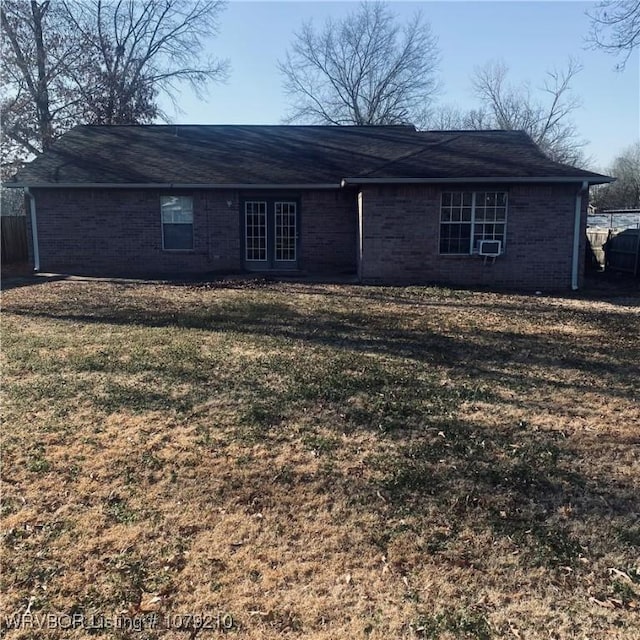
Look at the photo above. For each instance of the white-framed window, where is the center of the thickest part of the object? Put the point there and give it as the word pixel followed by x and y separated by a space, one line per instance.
pixel 255 229
pixel 467 217
pixel 177 223
pixel 285 232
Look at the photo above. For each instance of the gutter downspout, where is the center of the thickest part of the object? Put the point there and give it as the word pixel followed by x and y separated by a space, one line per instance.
pixel 34 229
pixel 360 247
pixel 576 236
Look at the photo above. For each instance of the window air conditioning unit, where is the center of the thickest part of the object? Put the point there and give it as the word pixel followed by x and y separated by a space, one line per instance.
pixel 490 248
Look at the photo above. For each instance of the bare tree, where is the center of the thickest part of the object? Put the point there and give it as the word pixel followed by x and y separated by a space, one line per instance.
pixel 449 117
pixel 142 48
pixel 615 27
pixel 38 49
pixel 96 61
pixel 364 69
pixel 624 193
pixel 545 116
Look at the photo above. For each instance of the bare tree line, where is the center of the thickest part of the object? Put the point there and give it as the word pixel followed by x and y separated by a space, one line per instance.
pixel 369 69
pixel 545 112
pixel 624 193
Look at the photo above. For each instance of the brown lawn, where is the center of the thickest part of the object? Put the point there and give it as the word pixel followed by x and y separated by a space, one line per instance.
pixel 320 461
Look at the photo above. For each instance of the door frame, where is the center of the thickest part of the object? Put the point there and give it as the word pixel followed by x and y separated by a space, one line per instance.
pixel 270 264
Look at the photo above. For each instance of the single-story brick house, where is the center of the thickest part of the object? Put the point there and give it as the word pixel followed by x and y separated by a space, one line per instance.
pixel 390 204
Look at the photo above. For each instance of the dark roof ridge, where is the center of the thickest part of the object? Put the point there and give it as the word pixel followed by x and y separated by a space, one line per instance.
pixel 518 131
pixel 249 125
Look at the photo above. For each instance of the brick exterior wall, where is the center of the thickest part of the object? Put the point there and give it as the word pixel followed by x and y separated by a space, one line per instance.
pixel 118 232
pixel 401 229
pixel 328 231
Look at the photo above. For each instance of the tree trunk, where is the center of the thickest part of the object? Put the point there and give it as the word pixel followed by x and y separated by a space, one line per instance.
pixel 42 91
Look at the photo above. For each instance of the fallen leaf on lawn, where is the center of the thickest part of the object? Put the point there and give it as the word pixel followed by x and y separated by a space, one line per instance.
pixel 602 603
pixel 149 602
pixel 620 574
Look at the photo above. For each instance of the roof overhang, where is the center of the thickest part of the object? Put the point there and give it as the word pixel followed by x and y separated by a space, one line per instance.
pixel 345 182
pixel 480 180
pixel 166 185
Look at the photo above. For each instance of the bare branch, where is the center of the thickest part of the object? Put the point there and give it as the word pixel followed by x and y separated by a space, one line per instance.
pixel 615 28
pixel 98 61
pixel 547 121
pixel 365 69
pixel 624 193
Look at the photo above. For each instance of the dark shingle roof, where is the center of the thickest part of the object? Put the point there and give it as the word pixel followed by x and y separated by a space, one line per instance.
pixel 286 155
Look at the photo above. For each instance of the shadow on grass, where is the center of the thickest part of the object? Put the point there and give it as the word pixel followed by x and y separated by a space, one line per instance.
pixel 513 481
pixel 479 351
pixel 440 488
pixel 516 482
pixel 526 489
pixel 13 281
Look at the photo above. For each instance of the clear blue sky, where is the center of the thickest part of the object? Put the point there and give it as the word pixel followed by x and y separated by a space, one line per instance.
pixel 530 37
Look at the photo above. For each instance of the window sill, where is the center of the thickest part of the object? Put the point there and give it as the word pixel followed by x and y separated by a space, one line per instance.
pixel 466 255
pixel 455 255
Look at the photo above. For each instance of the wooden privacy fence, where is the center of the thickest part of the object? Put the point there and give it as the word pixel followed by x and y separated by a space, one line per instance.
pixel 616 249
pixel 13 232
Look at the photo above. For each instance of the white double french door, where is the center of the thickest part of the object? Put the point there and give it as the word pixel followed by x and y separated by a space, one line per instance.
pixel 270 234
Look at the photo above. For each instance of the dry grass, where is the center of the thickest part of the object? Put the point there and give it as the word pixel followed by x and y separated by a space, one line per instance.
pixel 324 461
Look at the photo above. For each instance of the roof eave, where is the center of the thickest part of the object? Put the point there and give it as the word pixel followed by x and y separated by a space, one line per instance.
pixel 168 185
pixel 353 181
pixel 478 180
